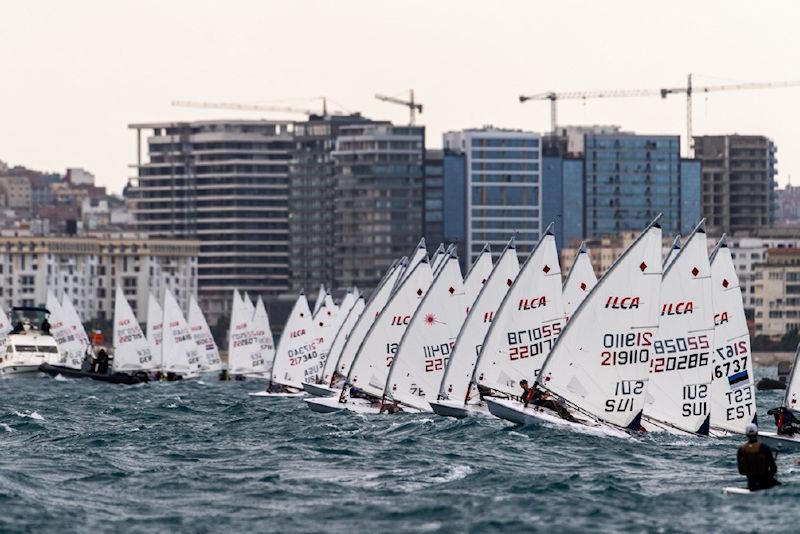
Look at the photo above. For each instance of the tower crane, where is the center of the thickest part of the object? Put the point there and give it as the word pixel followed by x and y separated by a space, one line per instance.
pixel 688 90
pixel 251 107
pixel 413 106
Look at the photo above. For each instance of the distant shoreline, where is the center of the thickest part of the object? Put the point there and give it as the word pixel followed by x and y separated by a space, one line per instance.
pixel 771 359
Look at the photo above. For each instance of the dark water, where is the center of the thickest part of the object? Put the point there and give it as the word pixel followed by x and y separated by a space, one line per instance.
pixel 207 457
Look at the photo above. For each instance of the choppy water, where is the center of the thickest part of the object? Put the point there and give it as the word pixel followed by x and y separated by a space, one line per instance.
pixel 85 456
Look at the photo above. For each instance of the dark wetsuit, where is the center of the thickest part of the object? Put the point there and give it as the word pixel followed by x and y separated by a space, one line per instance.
pixel 758 465
pixel 785 420
pixel 537 397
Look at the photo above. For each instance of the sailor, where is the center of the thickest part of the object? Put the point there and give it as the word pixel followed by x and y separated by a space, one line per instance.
pixel 223 375
pixel 785 420
pixel 102 362
pixel 756 461
pixel 527 392
pixel 534 395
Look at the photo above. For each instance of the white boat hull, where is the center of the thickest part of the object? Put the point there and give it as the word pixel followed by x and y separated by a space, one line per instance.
pixel 517 413
pixel 780 443
pixel 459 410
pixel 268 394
pixel 319 390
pixel 19 371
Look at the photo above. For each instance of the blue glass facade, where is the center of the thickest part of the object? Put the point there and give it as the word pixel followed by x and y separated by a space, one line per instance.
pixel 503 179
pixel 629 179
pixel 691 194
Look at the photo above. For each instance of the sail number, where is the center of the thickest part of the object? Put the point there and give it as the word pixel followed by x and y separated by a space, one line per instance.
pixel 683 361
pixel 533 342
pixel 625 349
pixel 436 356
pixel 625 393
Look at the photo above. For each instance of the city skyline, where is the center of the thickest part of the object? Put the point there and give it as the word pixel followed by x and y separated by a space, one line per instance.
pixel 74 82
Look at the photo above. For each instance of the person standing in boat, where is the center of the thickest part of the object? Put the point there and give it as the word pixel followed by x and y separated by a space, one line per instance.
pixel 756 462
pixel 785 420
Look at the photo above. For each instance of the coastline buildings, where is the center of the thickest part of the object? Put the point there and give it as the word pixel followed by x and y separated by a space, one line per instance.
pixel 445 194
pixel 503 188
pixel 788 207
pixel 224 183
pixel 618 183
pixel 88 269
pixel 312 193
pixel 378 204
pixel 738 182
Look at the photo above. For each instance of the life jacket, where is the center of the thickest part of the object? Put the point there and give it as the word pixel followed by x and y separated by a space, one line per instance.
pixel 754 460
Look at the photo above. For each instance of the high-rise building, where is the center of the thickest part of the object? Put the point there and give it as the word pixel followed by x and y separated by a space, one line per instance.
pixel 503 179
pixel 312 192
pixel 378 202
pixel 619 183
pixel 788 210
pixel 445 200
pixel 738 194
pixel 224 183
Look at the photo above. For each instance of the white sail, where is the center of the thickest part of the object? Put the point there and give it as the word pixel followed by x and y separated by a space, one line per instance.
pixel 527 323
pixel 131 349
pixel 264 339
pixel 326 324
pixel 320 299
pixel 345 331
pixel 673 252
pixel 580 281
pixel 296 360
pixel 179 352
pixel 792 396
pixel 680 367
pixel 460 367
pixel 733 395
pixel 377 301
pixel 73 321
pixel 371 365
pixel 601 361
pixel 438 257
pixel 418 366
pixel 63 335
pixel 477 275
pixel 209 353
pixel 244 353
pixel 155 328
pixel 419 254
pixel 248 305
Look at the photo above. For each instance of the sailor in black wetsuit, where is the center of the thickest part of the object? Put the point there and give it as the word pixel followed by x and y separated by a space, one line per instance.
pixel 537 397
pixel 785 420
pixel 102 362
pixel 756 462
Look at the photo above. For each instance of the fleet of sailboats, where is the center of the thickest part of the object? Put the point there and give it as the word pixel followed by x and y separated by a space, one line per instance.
pixel 656 344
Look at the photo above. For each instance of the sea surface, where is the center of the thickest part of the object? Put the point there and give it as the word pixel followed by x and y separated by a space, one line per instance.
pixel 81 456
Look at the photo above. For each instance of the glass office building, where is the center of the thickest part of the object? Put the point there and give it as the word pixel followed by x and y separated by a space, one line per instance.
pixel 503 186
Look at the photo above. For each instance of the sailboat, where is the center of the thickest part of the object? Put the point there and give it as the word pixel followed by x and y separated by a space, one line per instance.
pixel 245 339
pixel 526 325
pixel 457 395
pixel 418 366
pixel 599 367
pixel 180 356
pixel 264 339
pixel 783 442
pixel 70 349
pixel 580 281
pixel 73 321
pixel 477 275
pixel 201 333
pixel 345 320
pixel 673 252
pixel 335 372
pixel 679 389
pixel 370 368
pixel 131 349
pixel 733 395
pixel 320 299
pixel 296 357
pixel 155 327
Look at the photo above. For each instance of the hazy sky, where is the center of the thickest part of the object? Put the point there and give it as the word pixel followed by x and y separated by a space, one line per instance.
pixel 73 74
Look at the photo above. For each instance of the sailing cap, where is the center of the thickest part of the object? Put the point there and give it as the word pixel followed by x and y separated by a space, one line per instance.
pixel 751 429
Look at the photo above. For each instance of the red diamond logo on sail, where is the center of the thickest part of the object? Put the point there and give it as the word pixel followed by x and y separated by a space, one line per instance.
pixel 419 292
pixel 302 315
pixel 430 319
pixel 642 266
pixel 546 269
pixel 320 323
pixel 725 283
pixel 583 286
pixel 695 271
pixel 452 290
pixel 509 282
pixel 483 281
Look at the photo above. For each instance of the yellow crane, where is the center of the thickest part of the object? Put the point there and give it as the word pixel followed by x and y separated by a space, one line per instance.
pixel 689 90
pixel 252 107
pixel 413 106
